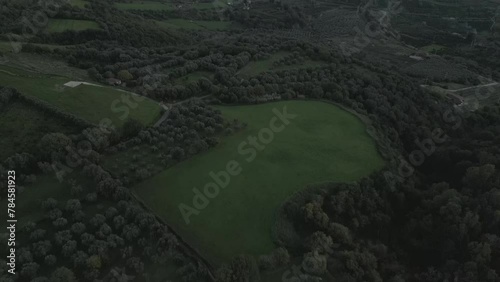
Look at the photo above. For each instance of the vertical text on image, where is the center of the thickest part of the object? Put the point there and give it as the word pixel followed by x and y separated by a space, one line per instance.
pixel 11 221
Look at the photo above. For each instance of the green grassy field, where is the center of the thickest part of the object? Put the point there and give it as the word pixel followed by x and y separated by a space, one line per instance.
pixel 78 3
pixel 60 25
pixel 257 67
pixel 305 64
pixel 433 48
pixel 194 77
pixel 166 6
pixel 5 46
pixel 163 272
pixel 194 25
pixel 85 101
pixel 25 126
pixel 146 5
pixel 8 47
pixel 323 143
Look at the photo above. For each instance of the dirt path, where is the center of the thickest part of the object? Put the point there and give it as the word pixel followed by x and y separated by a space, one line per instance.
pixel 474 87
pixel 167 111
pixel 456 92
pixel 165 115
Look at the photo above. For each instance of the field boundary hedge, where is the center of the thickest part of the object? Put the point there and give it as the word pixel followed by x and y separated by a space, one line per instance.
pixel 188 249
pixel 55 111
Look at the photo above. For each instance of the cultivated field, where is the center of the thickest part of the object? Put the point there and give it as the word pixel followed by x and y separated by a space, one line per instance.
pixel 440 70
pixel 323 143
pixel 37 63
pixel 60 25
pixel 91 103
pixel 336 22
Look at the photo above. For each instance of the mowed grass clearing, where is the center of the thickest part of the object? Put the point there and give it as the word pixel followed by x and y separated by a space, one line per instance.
pixel 167 6
pixel 146 5
pixel 78 3
pixel 433 48
pixel 323 143
pixel 194 24
pixel 255 68
pixel 25 125
pixel 6 46
pixel 194 77
pixel 91 103
pixel 60 25
pixel 10 47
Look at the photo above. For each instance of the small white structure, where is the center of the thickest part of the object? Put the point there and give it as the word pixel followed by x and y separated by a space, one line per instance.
pixel 418 58
pixel 73 84
pixel 114 81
